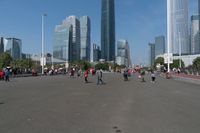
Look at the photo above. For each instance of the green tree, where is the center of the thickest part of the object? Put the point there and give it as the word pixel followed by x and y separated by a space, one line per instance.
pixel 5 60
pixel 196 63
pixel 176 64
pixel 159 60
pixel 103 66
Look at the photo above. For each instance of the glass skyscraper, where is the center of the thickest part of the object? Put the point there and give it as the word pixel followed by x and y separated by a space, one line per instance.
pixel 67 40
pixel 96 53
pixel 195 43
pixel 159 45
pixel 74 23
pixel 85 38
pixel 108 30
pixel 1 45
pixel 61 47
pixel 123 53
pixel 152 53
pixel 178 26
pixel 14 47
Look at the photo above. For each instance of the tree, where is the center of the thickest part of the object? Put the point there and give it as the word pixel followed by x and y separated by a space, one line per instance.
pixel 176 64
pixel 159 60
pixel 103 66
pixel 5 60
pixel 196 63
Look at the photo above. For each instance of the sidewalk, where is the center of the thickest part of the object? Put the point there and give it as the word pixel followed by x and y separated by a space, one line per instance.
pixel 186 78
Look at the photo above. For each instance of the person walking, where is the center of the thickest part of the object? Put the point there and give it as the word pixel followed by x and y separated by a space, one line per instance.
pixel 153 77
pixel 7 73
pixel 1 75
pixel 125 74
pixel 86 75
pixel 142 76
pixel 99 74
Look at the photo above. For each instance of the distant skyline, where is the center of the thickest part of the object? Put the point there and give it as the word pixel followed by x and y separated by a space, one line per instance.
pixel 136 21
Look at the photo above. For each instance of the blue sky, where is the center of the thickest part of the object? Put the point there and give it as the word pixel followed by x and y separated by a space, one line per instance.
pixel 138 21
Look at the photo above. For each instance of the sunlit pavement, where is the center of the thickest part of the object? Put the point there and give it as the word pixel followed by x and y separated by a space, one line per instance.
pixel 59 104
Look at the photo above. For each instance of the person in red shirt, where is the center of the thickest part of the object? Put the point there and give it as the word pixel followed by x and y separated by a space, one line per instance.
pixel 1 75
pixel 86 75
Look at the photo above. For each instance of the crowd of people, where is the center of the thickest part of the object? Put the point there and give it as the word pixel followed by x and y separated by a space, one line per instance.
pixel 74 72
pixel 4 74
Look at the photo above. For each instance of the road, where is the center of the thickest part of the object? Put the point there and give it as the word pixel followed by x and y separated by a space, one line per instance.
pixel 59 104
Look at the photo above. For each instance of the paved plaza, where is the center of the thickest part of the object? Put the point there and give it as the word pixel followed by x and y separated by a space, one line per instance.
pixel 59 104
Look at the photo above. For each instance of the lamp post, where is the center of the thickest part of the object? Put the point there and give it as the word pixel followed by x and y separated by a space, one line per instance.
pixel 43 15
pixel 179 36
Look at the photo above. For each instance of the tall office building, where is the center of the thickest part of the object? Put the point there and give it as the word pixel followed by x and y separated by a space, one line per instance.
pixel 67 40
pixel 62 40
pixel 14 47
pixel 159 45
pixel 85 38
pixel 152 53
pixel 73 22
pixel 96 53
pixel 123 53
pixel 199 12
pixel 1 45
pixel 178 26
pixel 195 43
pixel 108 30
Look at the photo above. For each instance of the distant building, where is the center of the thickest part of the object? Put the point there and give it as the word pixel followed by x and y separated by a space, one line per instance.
pixel 85 29
pixel 96 53
pixel 123 53
pixel 74 23
pixel 195 42
pixel 108 30
pixel 159 45
pixel 62 39
pixel 1 45
pixel 13 46
pixel 26 56
pixel 177 11
pixel 152 53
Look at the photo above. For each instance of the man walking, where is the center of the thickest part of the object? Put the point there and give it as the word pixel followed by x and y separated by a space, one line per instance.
pixel 99 77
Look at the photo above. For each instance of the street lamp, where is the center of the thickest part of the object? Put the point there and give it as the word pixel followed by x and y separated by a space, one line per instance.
pixel 43 15
pixel 179 36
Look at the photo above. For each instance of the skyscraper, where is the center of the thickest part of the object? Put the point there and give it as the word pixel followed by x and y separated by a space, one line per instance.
pixel 1 45
pixel 152 53
pixel 123 53
pixel 14 47
pixel 178 26
pixel 96 53
pixel 74 23
pixel 159 45
pixel 199 12
pixel 85 38
pixel 108 30
pixel 62 40
pixel 195 44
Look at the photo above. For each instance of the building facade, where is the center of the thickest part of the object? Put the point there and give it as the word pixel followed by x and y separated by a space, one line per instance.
pixel 195 43
pixel 96 53
pixel 62 39
pixel 159 45
pixel 178 26
pixel 74 23
pixel 1 45
pixel 152 53
pixel 13 46
pixel 85 30
pixel 67 40
pixel 108 30
pixel 123 53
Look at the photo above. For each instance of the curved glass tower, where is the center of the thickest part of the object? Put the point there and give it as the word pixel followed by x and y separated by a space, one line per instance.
pixel 108 30
pixel 178 26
